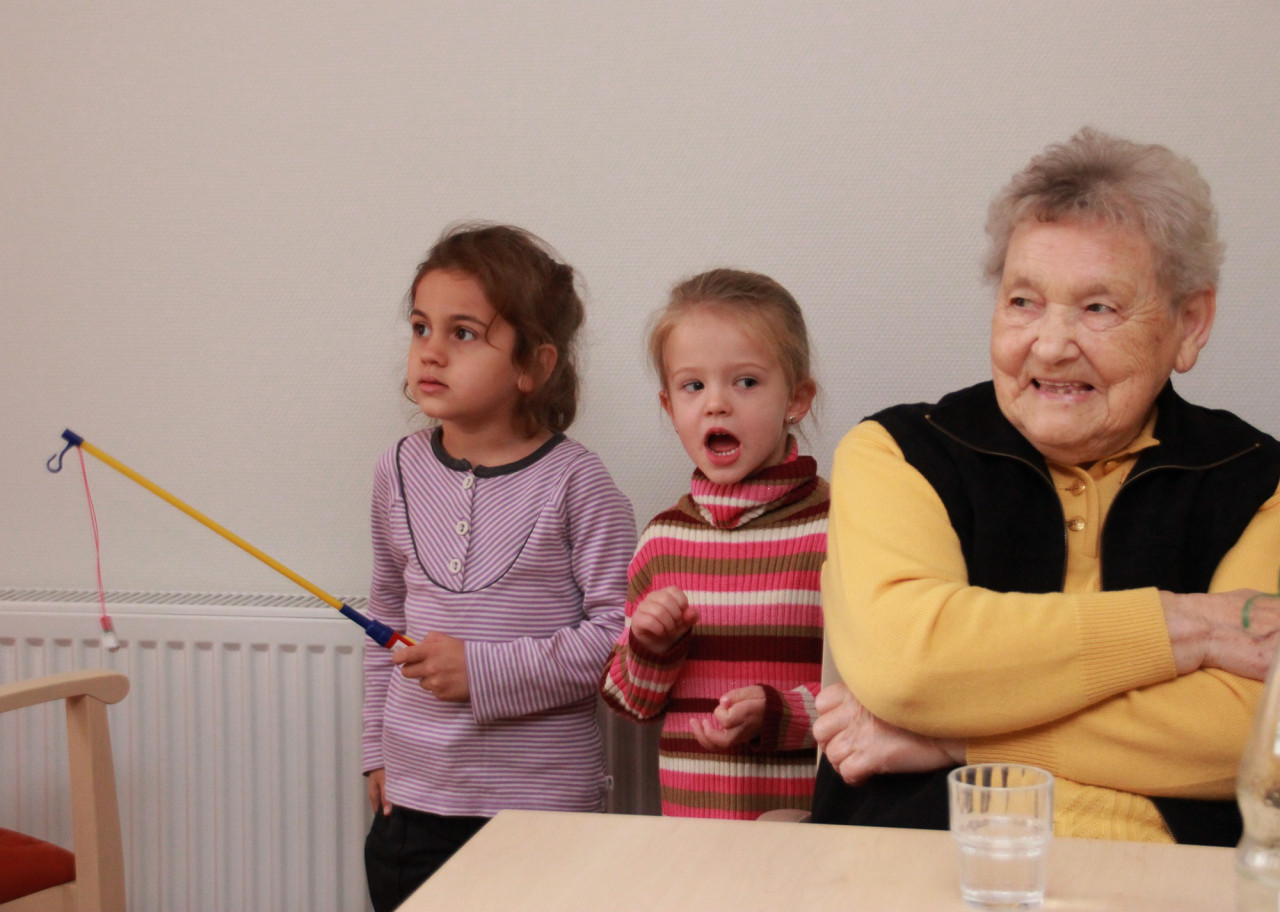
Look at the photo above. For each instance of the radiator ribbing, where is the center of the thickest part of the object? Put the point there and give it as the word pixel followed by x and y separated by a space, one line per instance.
pixel 236 750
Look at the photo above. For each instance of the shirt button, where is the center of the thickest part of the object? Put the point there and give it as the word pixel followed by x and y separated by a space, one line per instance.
pixel 1075 524
pixel 1077 488
pixel 455 566
pixel 463 527
pixel 1110 466
pixel 468 482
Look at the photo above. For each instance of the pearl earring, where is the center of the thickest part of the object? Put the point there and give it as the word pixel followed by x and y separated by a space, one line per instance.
pixel 791 419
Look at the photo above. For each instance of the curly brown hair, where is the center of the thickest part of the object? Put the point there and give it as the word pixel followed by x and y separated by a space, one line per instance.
pixel 527 284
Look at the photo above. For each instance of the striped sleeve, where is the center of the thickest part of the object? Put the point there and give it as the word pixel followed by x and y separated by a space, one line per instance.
pixel 788 719
pixel 386 604
pixel 519 677
pixel 637 681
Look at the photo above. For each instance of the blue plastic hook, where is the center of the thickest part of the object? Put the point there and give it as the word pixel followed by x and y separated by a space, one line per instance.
pixel 73 439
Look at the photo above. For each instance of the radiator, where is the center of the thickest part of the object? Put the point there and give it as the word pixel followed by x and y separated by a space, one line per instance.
pixel 236 751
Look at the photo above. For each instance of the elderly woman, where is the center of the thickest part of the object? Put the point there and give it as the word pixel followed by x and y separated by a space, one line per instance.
pixel 1020 572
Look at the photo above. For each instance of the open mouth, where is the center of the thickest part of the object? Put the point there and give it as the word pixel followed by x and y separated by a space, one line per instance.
pixel 1061 387
pixel 722 444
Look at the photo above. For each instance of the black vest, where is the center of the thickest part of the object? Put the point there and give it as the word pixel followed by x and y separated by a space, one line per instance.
pixel 1183 506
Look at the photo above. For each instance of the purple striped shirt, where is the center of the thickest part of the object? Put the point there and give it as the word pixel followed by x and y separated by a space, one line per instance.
pixel 527 563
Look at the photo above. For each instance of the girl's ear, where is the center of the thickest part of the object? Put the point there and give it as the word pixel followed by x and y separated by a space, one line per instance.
pixel 801 401
pixel 665 400
pixel 544 362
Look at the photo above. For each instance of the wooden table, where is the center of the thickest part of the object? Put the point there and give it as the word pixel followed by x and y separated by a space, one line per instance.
pixel 547 862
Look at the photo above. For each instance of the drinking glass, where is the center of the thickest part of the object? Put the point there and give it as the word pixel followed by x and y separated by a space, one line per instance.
pixel 1002 821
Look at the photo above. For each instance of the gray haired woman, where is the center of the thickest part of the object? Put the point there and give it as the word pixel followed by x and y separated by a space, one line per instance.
pixel 1057 566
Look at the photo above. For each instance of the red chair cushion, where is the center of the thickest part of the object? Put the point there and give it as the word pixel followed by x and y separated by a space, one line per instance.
pixel 29 865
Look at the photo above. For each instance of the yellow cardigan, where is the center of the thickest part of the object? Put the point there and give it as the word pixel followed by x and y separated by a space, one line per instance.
pixel 1081 682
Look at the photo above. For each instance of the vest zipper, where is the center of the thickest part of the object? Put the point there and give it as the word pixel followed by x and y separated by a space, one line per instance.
pixel 1066 541
pixel 1145 472
pixel 1039 473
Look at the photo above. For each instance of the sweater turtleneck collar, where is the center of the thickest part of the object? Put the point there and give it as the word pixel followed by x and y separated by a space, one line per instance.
pixel 728 506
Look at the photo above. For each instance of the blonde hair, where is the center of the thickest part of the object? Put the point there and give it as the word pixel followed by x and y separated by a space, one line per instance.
pixel 767 308
pixel 1097 177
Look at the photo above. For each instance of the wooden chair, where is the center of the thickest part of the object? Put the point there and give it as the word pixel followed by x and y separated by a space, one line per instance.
pixel 781 815
pixel 37 876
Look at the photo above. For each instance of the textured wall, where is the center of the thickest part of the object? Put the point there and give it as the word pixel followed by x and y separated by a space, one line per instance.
pixel 209 214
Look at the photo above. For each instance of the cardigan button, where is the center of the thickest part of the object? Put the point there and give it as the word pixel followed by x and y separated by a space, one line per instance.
pixel 1075 524
pixel 1077 488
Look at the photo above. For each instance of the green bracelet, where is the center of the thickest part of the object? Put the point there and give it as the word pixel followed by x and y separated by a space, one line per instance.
pixel 1244 612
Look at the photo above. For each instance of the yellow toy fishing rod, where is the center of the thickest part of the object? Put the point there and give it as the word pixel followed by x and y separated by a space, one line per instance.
pixel 380 633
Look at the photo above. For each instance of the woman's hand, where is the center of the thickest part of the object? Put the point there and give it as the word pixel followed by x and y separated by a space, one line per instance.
pixel 737 719
pixel 859 745
pixel 376 785
pixel 1207 631
pixel 662 618
pixel 439 663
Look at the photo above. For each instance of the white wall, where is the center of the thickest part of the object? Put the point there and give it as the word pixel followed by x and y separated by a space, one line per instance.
pixel 209 214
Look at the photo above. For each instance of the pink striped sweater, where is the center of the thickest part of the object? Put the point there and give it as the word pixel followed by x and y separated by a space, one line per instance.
pixel 749 558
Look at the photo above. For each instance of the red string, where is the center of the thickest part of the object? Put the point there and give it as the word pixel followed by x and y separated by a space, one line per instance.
pixel 97 548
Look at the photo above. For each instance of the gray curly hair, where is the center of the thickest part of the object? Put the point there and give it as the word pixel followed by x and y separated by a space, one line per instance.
pixel 1097 177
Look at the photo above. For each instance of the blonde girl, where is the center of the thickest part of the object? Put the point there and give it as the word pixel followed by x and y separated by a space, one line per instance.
pixel 724 620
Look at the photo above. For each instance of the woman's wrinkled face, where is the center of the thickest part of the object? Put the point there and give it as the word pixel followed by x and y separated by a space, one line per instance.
pixel 1083 338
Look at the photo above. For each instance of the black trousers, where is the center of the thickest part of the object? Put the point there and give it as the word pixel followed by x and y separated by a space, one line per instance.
pixel 406 847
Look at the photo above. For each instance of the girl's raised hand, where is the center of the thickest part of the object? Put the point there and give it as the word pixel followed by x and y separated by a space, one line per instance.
pixel 737 719
pixel 662 618
pixel 439 663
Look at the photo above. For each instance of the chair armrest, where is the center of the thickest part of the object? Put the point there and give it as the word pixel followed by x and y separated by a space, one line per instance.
pixel 107 686
pixel 95 812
